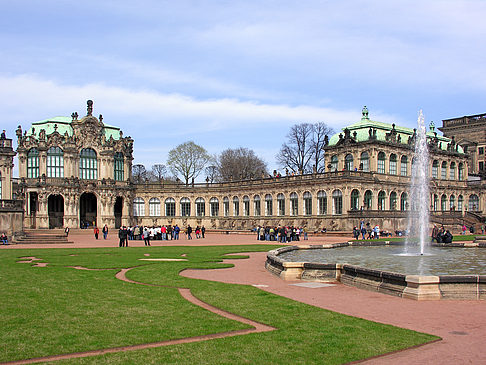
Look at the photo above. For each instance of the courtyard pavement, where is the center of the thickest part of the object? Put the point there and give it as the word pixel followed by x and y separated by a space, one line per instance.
pixel 460 324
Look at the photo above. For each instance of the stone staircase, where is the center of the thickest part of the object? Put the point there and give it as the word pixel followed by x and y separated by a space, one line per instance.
pixel 41 237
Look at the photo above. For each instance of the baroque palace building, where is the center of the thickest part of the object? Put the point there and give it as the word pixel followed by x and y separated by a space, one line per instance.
pixel 77 172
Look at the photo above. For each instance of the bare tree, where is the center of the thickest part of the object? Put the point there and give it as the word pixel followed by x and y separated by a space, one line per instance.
pixel 159 172
pixel 139 173
pixel 304 148
pixel 239 164
pixel 187 160
pixel 211 173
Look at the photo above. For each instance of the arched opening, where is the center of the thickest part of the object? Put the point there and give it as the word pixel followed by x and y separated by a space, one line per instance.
pixel 55 209
pixel 118 211
pixel 87 210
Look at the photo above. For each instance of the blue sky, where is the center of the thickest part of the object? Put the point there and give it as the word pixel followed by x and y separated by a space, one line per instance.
pixel 239 73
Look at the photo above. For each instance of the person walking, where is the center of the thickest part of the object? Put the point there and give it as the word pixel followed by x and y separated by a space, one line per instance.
pixel 105 232
pixel 203 230
pixel 189 231
pixel 146 236
pixel 66 230
pixel 96 232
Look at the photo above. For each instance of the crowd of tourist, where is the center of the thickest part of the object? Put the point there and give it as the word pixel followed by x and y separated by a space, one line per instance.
pixel 281 234
pixel 147 234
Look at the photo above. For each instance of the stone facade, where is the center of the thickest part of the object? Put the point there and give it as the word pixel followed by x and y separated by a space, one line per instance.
pixel 367 175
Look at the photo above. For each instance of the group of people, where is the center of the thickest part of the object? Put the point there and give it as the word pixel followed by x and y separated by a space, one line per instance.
pixel 199 231
pixel 164 233
pixel 441 235
pixel 281 234
pixel 370 232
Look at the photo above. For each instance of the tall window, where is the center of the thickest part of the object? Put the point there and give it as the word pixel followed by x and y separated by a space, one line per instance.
pixel 355 199
pixel 381 163
pixel 200 207
pixel 170 207
pixel 349 163
pixel 452 171
pixel 381 200
pixel 460 172
pixel 294 204
pixel 443 171
pixel 226 206
pixel 473 203
pixel 236 206
pixel 403 166
pixel 185 207
pixel 337 202
pixel 364 163
pixel 368 199
pixel 435 203
pixel 393 200
pixel 119 167
pixel 246 206
pixel 393 164
pixel 138 207
pixel 281 204
pixel 435 169
pixel 214 207
pixel 452 203
pixel 404 202
pixel 1 197
pixel 154 207
pixel 55 162
pixel 334 163
pixel 33 163
pixel 460 201
pixel 322 201
pixel 307 203
pixel 268 205
pixel 443 202
pixel 88 164
pixel 257 205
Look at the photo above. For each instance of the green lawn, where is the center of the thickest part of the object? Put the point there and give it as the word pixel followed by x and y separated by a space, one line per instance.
pixel 55 309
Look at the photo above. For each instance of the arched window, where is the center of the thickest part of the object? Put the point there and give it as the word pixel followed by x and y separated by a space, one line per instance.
pixel 154 207
pixel 307 203
pixel 460 201
pixel 119 167
pixel 381 200
pixel 138 207
pixel 368 199
pixel 364 163
pixel 170 207
pixel 435 203
pixel 355 199
pixel 460 172
pixel 349 162
pixel 200 207
pixel 452 202
pixel 393 200
pixel 404 202
pixel 236 206
pixel 473 203
pixel 337 202
pixel 268 205
pixel 294 204
pixel 33 163
pixel 443 171
pixel 88 164
pixel 334 163
pixel 214 207
pixel 381 163
pixel 226 206
pixel 55 162
pixel 322 201
pixel 452 171
pixel 185 207
pixel 281 204
pixel 246 206
pixel 435 169
pixel 393 164
pixel 404 166
pixel 257 206
pixel 443 202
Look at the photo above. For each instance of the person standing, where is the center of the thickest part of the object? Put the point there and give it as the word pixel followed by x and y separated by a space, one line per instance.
pixel 105 232
pixel 146 236
pixel 203 230
pixel 66 230
pixel 189 231
pixel 121 237
pixel 96 232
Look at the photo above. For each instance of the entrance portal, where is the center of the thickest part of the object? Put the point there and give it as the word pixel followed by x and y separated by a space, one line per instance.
pixel 118 211
pixel 33 202
pixel 87 210
pixel 55 209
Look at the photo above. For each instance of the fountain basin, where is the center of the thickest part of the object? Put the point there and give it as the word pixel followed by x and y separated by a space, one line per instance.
pixel 411 286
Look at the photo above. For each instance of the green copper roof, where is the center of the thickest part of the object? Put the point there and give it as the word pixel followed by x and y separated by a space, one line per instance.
pixel 362 133
pixel 63 125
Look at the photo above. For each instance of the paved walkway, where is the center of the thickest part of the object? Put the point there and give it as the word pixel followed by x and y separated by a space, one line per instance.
pixel 461 324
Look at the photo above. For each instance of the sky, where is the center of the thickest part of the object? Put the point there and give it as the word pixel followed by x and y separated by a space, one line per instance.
pixel 228 74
